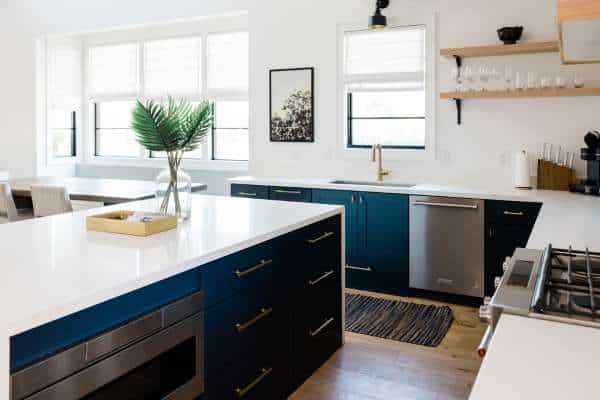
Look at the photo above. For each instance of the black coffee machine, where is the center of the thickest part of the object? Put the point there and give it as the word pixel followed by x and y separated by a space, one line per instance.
pixel 591 155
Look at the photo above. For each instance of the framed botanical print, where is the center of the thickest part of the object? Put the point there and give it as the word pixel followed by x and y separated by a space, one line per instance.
pixel 292 105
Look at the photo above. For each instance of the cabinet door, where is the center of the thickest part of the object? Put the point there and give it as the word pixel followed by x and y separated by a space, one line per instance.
pixel 382 259
pixel 249 191
pixel 501 241
pixel 348 200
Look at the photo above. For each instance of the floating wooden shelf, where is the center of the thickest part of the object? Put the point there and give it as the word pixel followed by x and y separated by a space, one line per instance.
pixel 501 49
pixel 497 94
pixel 458 97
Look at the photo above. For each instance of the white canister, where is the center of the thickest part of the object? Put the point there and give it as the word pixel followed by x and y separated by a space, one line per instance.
pixel 522 171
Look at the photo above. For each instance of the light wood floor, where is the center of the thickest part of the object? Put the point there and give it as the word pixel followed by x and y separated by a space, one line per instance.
pixel 369 368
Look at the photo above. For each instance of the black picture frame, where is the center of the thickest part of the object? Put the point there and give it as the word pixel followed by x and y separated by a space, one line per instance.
pixel 279 133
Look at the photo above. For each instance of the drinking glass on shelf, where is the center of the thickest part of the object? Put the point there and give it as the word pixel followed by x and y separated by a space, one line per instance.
pixel 545 82
pixel 520 83
pixel 532 80
pixel 508 77
pixel 470 76
pixel 457 78
pixel 560 82
pixel 578 81
pixel 484 77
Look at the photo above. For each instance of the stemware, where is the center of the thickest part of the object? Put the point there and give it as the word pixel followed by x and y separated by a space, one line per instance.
pixel 545 82
pixel 532 80
pixel 508 76
pixel 560 82
pixel 484 77
pixel 520 83
pixel 470 76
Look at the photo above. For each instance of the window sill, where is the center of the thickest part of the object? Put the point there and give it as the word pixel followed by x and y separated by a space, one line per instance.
pixel 212 165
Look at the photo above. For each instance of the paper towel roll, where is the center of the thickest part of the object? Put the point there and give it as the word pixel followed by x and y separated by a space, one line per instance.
pixel 522 172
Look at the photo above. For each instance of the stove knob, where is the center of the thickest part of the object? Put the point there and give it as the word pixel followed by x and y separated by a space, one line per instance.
pixel 487 300
pixel 497 281
pixel 485 314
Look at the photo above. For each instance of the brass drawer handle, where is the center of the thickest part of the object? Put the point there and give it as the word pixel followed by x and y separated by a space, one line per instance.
pixel 323 236
pixel 364 269
pixel 264 372
pixel 515 214
pixel 264 312
pixel 261 264
pixel 288 191
pixel 319 329
pixel 325 275
pixel 247 194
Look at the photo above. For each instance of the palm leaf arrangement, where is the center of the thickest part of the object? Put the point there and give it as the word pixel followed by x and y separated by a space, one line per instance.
pixel 173 127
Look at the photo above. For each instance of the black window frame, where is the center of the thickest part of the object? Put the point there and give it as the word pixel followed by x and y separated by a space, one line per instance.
pixel 213 135
pixel 96 129
pixel 73 129
pixel 350 118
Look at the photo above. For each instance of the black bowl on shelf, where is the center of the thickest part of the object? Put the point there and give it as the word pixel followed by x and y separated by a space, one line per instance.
pixel 510 34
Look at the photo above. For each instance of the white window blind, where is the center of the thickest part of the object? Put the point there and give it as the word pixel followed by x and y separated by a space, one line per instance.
pixel 228 61
pixel 113 69
pixel 393 58
pixel 173 66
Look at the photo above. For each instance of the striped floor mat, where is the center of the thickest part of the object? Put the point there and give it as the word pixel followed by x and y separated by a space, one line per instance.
pixel 397 320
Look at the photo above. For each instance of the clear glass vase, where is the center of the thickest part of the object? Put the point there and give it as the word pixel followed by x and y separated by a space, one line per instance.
pixel 174 193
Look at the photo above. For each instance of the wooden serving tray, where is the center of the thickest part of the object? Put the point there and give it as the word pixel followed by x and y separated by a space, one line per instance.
pixel 120 222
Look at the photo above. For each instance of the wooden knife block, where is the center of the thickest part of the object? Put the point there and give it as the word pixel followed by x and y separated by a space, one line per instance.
pixel 554 177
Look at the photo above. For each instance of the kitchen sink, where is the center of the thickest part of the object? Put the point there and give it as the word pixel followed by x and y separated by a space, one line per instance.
pixel 373 183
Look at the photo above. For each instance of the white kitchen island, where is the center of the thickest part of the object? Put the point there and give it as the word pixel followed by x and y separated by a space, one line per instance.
pixel 53 267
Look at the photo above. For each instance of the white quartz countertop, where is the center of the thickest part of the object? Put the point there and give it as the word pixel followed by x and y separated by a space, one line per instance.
pixel 565 218
pixel 52 267
pixel 536 359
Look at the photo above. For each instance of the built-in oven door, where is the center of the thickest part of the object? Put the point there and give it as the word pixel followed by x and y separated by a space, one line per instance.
pixel 166 365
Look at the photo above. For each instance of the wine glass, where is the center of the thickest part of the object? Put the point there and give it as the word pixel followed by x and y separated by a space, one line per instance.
pixel 508 76
pixel 457 78
pixel 560 82
pixel 520 83
pixel 545 82
pixel 470 76
pixel 532 80
pixel 484 77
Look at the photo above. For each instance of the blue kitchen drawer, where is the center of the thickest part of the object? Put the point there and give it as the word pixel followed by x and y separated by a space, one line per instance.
pixel 290 194
pixel 250 191
pixel 41 342
pixel 250 271
pixel 512 212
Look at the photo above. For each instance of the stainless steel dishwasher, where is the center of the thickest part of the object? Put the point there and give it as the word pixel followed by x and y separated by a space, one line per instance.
pixel 446 245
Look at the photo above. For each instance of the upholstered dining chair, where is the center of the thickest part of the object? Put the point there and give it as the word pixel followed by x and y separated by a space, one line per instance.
pixel 50 200
pixel 8 210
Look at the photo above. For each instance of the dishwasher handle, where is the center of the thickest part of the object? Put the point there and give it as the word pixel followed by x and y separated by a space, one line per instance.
pixel 447 205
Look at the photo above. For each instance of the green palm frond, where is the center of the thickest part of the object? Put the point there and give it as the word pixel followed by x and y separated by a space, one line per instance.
pixel 171 126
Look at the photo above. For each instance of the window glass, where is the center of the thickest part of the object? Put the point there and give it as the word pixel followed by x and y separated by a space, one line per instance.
pixel 230 140
pixel 61 126
pixel 114 136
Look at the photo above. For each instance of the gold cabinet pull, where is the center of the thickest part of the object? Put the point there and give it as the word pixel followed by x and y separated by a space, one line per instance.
pixel 364 269
pixel 282 191
pixel 247 194
pixel 319 279
pixel 264 312
pixel 323 236
pixel 319 329
pixel 261 264
pixel 264 372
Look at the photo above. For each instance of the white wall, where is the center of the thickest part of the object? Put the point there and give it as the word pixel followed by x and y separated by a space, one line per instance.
pixel 293 33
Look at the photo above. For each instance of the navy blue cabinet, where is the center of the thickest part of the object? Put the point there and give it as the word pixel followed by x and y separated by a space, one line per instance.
pixel 376 239
pixel 265 310
pixel 281 193
pixel 250 191
pixel 508 226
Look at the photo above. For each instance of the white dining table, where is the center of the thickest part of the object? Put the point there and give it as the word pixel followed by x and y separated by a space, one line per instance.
pixel 107 191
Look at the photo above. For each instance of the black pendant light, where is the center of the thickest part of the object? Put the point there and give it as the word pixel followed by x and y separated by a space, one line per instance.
pixel 379 21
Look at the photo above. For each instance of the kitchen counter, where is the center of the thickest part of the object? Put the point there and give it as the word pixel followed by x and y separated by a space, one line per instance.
pixel 564 220
pixel 536 359
pixel 53 267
